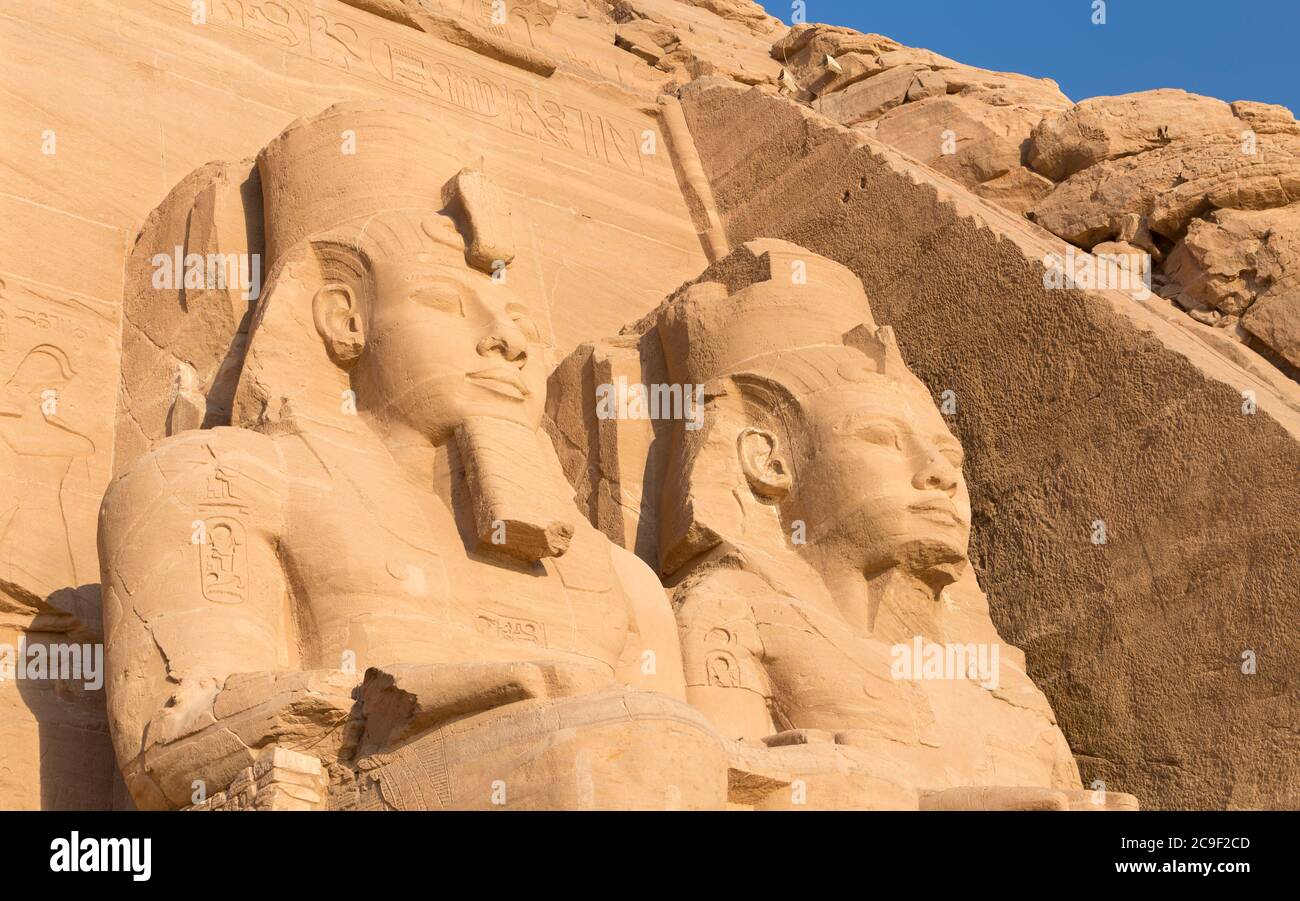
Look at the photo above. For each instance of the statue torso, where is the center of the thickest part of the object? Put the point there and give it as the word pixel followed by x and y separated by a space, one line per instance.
pixel 379 569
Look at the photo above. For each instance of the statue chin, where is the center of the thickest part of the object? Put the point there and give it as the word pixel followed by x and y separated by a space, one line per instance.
pixel 934 560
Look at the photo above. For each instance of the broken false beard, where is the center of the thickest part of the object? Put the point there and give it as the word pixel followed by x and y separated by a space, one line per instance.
pixel 519 501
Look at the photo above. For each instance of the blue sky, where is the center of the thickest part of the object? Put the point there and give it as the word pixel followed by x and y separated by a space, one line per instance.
pixel 1231 49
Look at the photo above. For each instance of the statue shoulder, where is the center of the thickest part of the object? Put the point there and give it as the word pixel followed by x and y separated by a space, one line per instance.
pixel 633 572
pixel 719 595
pixel 196 474
pixel 653 636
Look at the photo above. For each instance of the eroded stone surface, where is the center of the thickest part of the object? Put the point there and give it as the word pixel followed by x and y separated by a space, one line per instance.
pixel 970 124
pixel 1040 410
pixel 322 587
pixel 1107 128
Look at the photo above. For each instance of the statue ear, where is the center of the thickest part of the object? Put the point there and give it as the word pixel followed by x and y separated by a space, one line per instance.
pixel 763 463
pixel 338 322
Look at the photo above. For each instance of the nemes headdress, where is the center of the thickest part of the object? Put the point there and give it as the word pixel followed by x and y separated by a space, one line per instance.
pixel 345 171
pixel 338 189
pixel 766 305
pixel 769 325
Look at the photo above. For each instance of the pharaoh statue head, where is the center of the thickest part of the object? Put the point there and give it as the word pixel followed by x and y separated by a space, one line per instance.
pixel 818 442
pixel 388 309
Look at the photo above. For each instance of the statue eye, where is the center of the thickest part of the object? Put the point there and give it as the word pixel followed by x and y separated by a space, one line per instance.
pixel 879 434
pixel 443 298
pixel 953 456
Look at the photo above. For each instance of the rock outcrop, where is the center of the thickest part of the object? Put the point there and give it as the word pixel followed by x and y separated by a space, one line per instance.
pixel 1245 266
pixel 293 412
pixel 1216 184
pixel 1108 128
pixel 1169 607
pixel 1150 163
pixel 970 124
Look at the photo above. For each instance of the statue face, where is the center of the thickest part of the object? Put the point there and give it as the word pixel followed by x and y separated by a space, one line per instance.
pixel 445 342
pixel 882 484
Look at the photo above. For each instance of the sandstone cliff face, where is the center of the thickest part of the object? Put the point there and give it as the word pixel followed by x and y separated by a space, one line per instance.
pixel 1098 173
pixel 654 136
pixel 1051 388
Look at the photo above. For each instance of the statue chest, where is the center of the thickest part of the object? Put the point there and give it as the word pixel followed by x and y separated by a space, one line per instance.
pixel 392 594
pixel 824 676
pixel 569 605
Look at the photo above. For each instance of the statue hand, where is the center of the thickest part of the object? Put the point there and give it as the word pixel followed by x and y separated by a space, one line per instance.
pixel 280 779
pixel 208 733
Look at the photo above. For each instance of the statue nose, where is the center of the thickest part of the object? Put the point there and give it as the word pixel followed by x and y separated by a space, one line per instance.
pixel 937 475
pixel 507 343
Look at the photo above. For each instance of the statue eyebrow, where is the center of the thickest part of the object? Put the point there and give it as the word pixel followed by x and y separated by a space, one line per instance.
pixel 947 442
pixel 440 285
pixel 857 421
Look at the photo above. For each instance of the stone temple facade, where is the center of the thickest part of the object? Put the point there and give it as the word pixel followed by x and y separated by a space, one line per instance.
pixel 572 404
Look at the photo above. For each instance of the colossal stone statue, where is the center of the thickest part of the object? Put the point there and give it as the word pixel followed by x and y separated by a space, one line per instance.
pixel 815 533
pixel 385 499
pixel 374 590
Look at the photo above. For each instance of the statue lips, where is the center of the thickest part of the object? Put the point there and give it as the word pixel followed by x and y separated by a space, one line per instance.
pixel 938 509
pixel 502 380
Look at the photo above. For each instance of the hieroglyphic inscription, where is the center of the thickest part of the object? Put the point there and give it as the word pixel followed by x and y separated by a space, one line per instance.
pixel 511 628
pixel 524 19
pixel 223 552
pixel 722 669
pixel 346 40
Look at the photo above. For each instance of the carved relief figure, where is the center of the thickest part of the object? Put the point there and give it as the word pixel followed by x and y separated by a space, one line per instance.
pixel 386 500
pixel 40 449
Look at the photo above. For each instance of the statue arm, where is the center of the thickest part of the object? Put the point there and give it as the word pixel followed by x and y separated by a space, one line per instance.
pixel 726 676
pixel 652 659
pixel 198 627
